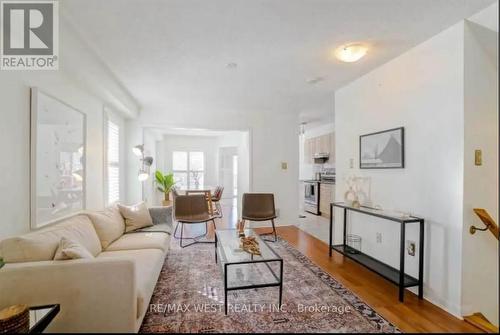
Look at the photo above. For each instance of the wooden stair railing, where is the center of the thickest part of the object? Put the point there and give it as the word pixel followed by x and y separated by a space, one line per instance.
pixel 487 220
pixel 478 320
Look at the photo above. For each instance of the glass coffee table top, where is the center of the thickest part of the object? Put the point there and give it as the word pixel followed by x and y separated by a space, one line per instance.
pixel 242 270
pixel 230 251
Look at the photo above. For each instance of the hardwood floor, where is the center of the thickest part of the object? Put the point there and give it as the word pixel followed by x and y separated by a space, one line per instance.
pixel 413 315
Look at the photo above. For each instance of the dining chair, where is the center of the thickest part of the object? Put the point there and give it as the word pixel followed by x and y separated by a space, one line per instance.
pixel 216 197
pixel 191 209
pixel 260 207
pixel 174 191
pixel 208 198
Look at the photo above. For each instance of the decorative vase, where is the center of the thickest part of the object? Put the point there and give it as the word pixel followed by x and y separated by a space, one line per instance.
pixel 350 197
pixel 166 201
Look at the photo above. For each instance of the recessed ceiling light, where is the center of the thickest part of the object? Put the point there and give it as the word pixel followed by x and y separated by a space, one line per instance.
pixel 351 52
pixel 231 65
pixel 315 80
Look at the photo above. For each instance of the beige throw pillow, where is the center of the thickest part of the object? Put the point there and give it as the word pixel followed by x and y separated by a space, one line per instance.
pixel 69 249
pixel 109 225
pixel 136 216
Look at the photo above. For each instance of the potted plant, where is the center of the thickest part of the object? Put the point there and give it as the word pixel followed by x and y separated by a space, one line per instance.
pixel 164 182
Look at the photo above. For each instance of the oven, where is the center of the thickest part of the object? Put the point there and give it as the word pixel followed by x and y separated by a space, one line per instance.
pixel 311 197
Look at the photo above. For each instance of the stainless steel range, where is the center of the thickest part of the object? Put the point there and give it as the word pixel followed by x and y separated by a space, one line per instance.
pixel 311 196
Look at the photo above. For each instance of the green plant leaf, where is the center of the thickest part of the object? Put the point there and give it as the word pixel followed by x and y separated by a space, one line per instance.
pixel 160 179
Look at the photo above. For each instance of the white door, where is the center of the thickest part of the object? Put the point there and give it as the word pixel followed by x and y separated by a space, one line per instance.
pixel 228 172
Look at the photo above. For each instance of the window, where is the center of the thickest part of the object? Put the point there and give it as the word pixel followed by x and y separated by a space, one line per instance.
pixel 113 162
pixel 188 168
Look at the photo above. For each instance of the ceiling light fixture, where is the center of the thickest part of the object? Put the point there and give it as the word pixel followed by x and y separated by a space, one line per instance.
pixel 351 52
pixel 231 65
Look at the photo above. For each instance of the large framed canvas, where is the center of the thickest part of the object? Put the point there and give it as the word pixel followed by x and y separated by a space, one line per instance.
pixel 382 150
pixel 58 138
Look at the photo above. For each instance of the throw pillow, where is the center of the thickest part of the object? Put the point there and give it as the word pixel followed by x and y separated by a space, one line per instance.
pixel 69 249
pixel 136 216
pixel 109 225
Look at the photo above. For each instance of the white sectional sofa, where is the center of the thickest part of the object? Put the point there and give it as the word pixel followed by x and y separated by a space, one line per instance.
pixel 108 293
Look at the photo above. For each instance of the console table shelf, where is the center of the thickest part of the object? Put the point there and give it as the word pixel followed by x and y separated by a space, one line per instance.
pixel 384 270
pixel 398 277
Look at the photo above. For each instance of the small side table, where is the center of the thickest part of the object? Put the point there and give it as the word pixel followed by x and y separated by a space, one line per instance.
pixel 41 317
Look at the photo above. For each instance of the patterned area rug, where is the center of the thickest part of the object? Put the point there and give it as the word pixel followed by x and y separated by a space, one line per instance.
pixel 189 297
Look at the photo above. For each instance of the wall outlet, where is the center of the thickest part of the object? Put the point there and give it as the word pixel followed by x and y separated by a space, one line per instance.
pixel 411 247
pixel 379 237
pixel 351 163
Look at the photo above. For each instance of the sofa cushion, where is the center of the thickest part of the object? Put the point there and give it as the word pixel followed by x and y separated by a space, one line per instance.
pixel 148 264
pixel 136 216
pixel 161 227
pixel 41 245
pixel 69 249
pixel 141 240
pixel 109 225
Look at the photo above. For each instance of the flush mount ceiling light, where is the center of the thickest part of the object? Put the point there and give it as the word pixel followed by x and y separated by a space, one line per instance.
pixel 351 52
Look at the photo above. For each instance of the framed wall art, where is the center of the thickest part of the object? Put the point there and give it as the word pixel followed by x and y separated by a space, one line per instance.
pixel 382 150
pixel 58 138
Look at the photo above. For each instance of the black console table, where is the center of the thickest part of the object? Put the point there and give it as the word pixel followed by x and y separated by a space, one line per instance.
pixel 395 276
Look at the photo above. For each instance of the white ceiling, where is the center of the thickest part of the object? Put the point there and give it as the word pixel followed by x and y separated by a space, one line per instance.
pixel 173 54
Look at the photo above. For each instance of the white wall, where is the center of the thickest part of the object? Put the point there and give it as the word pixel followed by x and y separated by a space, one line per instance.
pixel 65 85
pixel 480 251
pixel 273 138
pixel 421 90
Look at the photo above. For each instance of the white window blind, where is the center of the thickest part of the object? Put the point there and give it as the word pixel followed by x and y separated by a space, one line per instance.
pixel 113 162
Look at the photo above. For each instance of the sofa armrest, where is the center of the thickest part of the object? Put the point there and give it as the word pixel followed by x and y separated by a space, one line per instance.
pixel 161 215
pixel 94 294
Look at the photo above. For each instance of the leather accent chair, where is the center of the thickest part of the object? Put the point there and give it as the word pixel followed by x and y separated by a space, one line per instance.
pixel 260 207
pixel 216 197
pixel 174 191
pixel 191 209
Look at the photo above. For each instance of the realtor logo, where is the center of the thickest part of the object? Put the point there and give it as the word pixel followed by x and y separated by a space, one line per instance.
pixel 29 35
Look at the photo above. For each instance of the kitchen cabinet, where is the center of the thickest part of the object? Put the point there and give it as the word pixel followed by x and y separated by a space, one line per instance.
pixel 326 196
pixel 319 144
